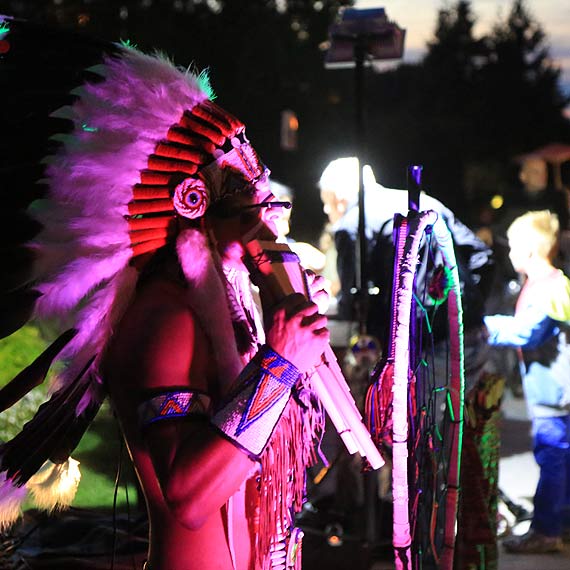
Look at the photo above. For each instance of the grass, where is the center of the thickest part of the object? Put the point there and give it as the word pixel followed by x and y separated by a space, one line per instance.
pixel 99 453
pixel 100 448
pixel 18 350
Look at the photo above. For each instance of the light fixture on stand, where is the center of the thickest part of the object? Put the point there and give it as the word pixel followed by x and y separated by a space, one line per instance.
pixel 359 37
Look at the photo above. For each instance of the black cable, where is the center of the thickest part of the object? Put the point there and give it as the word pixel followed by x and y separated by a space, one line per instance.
pixel 115 493
pixel 129 533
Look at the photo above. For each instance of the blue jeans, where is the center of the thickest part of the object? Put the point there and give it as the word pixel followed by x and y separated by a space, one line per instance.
pixel 552 453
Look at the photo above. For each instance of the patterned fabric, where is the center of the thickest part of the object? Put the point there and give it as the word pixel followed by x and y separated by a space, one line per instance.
pixel 281 481
pixel 249 418
pixel 277 377
pixel 177 404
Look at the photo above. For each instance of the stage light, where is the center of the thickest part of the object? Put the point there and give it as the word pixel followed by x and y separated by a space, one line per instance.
pixel 367 29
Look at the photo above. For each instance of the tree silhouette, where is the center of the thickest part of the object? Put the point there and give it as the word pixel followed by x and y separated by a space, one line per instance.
pixel 449 105
pixel 463 111
pixel 521 86
pixel 475 103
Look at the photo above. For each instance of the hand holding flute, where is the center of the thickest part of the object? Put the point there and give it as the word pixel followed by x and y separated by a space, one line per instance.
pixel 275 269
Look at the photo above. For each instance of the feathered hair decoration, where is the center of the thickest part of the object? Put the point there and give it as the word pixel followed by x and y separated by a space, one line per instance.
pixel 139 128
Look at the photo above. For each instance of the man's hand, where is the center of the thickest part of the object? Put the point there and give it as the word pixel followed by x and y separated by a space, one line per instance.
pixel 317 290
pixel 298 332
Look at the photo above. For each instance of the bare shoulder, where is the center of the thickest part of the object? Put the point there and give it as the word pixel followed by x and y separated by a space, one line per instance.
pixel 158 341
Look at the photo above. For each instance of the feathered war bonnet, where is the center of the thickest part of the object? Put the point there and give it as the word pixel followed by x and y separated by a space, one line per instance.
pixel 146 145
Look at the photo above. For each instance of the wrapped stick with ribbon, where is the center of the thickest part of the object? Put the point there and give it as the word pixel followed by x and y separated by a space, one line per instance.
pixel 276 270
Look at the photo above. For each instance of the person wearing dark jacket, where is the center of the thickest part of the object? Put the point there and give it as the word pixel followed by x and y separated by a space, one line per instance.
pixel 476 540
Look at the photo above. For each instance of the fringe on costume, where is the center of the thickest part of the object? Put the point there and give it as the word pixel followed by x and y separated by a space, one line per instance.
pixel 291 448
pixel 283 464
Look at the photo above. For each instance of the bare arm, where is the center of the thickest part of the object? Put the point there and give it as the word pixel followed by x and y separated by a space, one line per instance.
pixel 162 347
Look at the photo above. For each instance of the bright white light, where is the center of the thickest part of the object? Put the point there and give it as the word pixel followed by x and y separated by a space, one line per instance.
pixel 215 6
pixel 281 6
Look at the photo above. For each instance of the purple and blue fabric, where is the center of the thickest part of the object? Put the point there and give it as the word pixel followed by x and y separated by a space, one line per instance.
pixel 174 404
pixel 539 329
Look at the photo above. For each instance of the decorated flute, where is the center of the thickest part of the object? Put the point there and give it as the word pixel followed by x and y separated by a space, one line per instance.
pixel 276 270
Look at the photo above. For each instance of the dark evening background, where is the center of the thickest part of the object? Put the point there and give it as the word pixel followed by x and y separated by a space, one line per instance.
pixel 465 109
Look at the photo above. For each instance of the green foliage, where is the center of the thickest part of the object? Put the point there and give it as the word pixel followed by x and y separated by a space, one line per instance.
pixel 98 454
pixel 521 84
pixel 16 352
pixel 99 450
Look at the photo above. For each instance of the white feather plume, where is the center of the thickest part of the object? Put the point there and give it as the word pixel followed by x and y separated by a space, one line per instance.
pixel 11 500
pixel 54 486
pixel 209 303
pixel 84 249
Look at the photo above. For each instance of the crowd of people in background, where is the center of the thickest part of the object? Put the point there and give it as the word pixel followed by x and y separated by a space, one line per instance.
pixel 518 263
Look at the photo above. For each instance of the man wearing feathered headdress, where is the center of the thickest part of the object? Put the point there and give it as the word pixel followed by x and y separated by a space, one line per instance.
pixel 148 201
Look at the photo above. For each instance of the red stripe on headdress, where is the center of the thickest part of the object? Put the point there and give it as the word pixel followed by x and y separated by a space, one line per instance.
pixel 154 178
pixel 150 206
pixel 183 136
pixel 202 129
pixel 147 235
pixel 235 123
pixel 210 113
pixel 194 155
pixel 147 246
pixel 145 192
pixel 171 165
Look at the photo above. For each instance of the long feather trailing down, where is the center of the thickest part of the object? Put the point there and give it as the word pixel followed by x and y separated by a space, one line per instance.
pixel 42 436
pixel 97 321
pixel 51 434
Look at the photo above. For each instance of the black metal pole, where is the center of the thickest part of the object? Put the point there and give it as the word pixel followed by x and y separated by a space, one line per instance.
pixel 361 252
pixel 369 478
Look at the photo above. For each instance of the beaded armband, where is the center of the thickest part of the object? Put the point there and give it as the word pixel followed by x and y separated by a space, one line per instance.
pixel 174 404
pixel 250 417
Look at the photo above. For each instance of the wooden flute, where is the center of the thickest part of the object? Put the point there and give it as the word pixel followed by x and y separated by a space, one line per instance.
pixel 276 270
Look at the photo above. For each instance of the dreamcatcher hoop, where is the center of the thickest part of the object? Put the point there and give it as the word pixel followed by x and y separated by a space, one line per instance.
pixel 411 402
